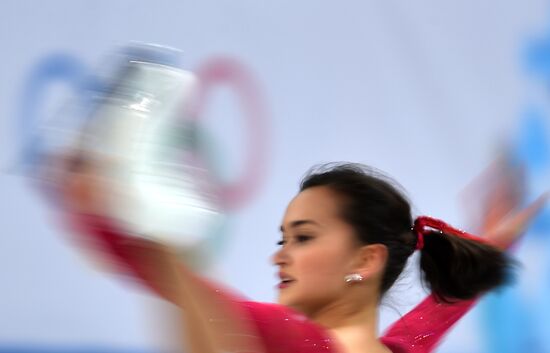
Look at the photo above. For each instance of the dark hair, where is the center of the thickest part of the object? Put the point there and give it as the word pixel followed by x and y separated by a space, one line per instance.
pixel 453 267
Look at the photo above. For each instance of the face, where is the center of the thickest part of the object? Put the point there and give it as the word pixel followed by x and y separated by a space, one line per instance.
pixel 317 250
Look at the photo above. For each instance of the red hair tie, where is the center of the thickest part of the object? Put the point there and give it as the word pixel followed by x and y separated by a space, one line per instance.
pixel 424 225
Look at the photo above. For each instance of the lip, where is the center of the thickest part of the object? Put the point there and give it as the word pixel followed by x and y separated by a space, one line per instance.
pixel 282 275
pixel 285 284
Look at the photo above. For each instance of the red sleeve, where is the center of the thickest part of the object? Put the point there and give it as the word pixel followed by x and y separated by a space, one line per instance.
pixel 280 329
pixel 285 331
pixel 104 237
pixel 422 328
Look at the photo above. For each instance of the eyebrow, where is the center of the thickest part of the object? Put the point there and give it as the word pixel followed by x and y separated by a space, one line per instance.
pixel 300 222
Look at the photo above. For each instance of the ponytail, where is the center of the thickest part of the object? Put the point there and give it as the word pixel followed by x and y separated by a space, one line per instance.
pixel 458 265
pixel 455 265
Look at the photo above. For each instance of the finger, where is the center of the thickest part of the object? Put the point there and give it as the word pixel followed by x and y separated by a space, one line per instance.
pixel 509 230
pixel 506 192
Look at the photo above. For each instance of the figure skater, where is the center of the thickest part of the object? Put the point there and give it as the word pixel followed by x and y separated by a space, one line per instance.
pixel 345 239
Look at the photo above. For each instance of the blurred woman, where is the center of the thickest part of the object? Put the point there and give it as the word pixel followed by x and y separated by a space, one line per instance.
pixel 346 238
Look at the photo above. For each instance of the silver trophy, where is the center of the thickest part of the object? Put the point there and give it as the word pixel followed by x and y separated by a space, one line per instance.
pixel 143 136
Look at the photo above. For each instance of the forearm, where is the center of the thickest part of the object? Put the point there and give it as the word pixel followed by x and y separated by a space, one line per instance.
pixel 211 319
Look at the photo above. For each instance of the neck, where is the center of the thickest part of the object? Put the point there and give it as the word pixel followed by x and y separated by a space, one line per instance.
pixel 353 324
pixel 346 314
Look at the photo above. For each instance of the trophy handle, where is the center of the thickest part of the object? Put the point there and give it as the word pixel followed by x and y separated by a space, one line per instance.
pixel 34 158
pixel 56 68
pixel 222 70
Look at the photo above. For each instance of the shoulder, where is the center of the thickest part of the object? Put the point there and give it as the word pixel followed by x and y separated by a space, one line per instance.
pixel 285 330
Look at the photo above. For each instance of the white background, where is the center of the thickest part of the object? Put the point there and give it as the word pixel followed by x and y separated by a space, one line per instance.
pixel 424 90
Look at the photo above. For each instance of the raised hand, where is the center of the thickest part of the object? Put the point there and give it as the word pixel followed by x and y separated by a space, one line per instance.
pixel 506 231
pixel 503 217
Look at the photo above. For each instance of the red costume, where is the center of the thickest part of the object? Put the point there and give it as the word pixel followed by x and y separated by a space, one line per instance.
pixel 283 330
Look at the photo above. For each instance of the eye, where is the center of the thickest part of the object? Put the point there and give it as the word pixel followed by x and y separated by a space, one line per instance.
pixel 296 239
pixel 303 238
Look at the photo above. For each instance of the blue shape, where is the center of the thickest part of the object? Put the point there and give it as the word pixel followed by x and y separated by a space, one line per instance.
pixel 540 227
pixel 537 58
pixel 57 67
pixel 532 148
pixel 513 322
pixel 532 143
pixel 504 313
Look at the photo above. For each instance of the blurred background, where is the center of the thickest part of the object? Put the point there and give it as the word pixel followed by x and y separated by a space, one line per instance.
pixel 426 91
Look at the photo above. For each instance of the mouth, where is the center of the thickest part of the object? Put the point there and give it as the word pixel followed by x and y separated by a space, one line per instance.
pixel 285 282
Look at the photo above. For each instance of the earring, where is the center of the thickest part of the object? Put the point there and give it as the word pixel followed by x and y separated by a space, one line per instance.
pixel 354 277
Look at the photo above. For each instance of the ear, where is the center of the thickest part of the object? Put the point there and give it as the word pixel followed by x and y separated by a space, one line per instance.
pixel 371 261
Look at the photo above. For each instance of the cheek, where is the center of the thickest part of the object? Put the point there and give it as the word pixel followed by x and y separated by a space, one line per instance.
pixel 325 267
pixel 320 270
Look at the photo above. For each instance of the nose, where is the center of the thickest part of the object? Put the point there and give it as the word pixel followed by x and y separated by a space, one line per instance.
pixel 280 257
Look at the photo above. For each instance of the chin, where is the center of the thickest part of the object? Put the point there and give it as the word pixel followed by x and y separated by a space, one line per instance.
pixel 282 300
pixel 290 304
pixel 285 300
